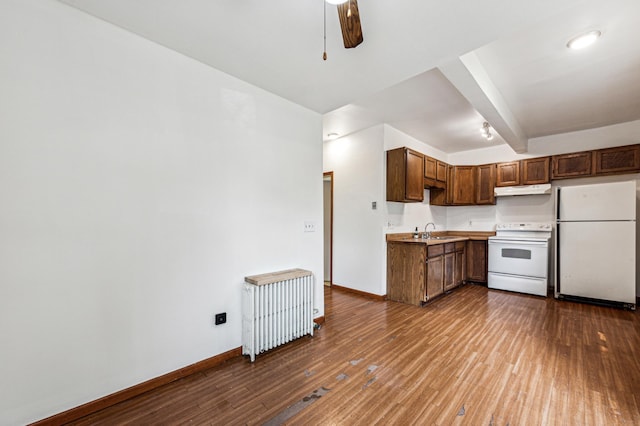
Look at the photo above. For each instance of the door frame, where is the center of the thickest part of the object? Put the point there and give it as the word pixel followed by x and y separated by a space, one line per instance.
pixel 331 178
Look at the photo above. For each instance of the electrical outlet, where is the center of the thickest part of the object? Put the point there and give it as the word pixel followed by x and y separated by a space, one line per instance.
pixel 221 318
pixel 374 205
pixel 309 227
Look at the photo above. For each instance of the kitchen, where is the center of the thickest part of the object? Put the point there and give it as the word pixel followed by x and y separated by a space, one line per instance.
pixel 147 170
pixel 594 244
pixel 405 217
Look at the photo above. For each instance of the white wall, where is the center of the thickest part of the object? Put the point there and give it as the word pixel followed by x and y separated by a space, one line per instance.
pixel 357 162
pixel 359 165
pixel 138 188
pixel 603 137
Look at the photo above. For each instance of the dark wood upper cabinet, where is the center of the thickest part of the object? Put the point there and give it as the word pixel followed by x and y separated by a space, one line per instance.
pixel 473 185
pixel 405 175
pixel 435 173
pixel 508 174
pixel 623 159
pixel 536 171
pixel 571 165
pixel 430 167
pixel 463 185
pixel 532 171
pixel 485 183
pixel 466 186
pixel 441 171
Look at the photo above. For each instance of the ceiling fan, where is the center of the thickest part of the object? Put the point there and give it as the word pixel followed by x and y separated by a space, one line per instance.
pixel 349 23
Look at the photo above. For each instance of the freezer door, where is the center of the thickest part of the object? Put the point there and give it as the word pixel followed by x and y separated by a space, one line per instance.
pixel 597 260
pixel 606 201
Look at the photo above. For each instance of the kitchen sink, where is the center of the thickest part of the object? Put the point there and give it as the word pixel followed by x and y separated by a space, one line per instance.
pixel 443 238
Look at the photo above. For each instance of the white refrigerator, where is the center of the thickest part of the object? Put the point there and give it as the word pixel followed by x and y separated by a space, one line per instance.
pixel 595 242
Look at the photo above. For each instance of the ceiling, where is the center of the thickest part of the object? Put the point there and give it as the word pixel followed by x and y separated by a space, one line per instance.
pixel 433 69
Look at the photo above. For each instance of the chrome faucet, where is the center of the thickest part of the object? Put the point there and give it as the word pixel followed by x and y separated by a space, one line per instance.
pixel 426 233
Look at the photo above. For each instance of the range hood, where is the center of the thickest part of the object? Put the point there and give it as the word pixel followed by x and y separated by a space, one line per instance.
pixel 504 191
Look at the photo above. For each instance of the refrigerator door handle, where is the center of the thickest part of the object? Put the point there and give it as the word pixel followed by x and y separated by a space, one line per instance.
pixel 557 250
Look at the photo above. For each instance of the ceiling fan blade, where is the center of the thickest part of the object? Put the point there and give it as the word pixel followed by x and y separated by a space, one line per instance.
pixel 350 23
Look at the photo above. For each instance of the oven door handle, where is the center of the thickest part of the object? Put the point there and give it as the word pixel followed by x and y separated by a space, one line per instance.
pixel 518 243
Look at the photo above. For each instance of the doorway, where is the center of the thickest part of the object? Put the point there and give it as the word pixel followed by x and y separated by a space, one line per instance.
pixel 327 188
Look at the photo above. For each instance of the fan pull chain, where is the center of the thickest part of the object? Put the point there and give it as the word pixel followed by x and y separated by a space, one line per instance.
pixel 324 53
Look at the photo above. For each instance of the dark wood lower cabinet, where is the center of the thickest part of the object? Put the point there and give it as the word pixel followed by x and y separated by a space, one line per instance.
pixel 460 271
pixel 449 268
pixel 454 265
pixel 435 277
pixel 436 271
pixel 477 261
pixel 418 273
pixel 406 272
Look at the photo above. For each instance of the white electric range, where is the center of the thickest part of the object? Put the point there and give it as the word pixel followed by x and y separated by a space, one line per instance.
pixel 519 258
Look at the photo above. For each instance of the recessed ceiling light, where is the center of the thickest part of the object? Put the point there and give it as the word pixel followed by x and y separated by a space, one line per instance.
pixel 584 40
pixel 336 1
pixel 331 136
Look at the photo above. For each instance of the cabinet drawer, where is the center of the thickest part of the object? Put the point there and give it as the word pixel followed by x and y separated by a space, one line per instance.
pixel 449 247
pixel 435 250
pixel 460 245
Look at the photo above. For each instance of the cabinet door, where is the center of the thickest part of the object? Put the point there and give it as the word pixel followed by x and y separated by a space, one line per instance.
pixel 464 185
pixel 435 276
pixel 405 175
pixel 449 271
pixel 444 195
pixel 460 268
pixel 414 176
pixel 430 167
pixel 477 261
pixel 406 271
pixel 535 171
pixel 571 165
pixel 624 159
pixel 485 184
pixel 450 185
pixel 441 172
pixel 508 174
pixel 431 177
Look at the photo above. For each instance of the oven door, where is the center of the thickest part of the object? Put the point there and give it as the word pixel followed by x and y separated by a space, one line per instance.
pixel 517 257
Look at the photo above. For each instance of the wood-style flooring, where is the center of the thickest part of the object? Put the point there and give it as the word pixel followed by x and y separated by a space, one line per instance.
pixel 476 357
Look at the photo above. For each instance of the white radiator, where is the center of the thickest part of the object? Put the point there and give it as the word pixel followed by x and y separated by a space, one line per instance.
pixel 278 308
